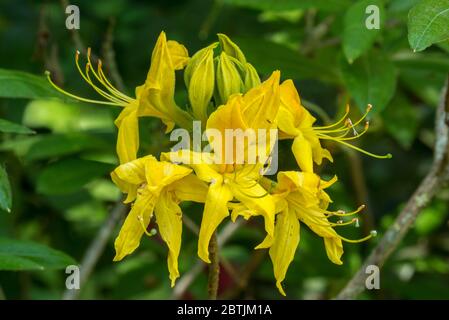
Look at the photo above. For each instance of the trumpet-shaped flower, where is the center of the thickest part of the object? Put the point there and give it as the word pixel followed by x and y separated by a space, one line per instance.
pixel 154 98
pixel 300 197
pixel 159 187
pixel 295 122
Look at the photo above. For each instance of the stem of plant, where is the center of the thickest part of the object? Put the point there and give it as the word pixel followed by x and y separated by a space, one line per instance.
pixel 214 268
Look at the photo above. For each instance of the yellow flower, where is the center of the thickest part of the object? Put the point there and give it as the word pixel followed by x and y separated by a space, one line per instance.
pixel 154 98
pixel 240 184
pixel 300 197
pixel 295 122
pixel 157 186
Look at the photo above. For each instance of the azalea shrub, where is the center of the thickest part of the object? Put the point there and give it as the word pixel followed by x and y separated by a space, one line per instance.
pixel 260 148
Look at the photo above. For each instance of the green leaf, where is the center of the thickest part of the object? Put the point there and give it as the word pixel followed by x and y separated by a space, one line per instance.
pixel 428 23
pixel 19 84
pixel 436 62
pixel 357 38
pixel 16 255
pixel 431 218
pixel 401 120
pixel 53 145
pixel 370 80
pixel 11 127
pixel 5 191
pixel 269 56
pixel 285 5
pixel 70 175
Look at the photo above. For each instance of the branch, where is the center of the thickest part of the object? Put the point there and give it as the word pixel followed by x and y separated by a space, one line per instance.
pixel 96 248
pixel 214 268
pixel 436 178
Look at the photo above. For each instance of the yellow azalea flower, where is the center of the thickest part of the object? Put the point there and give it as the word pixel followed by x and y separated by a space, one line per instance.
pixel 241 185
pixel 158 187
pixel 154 98
pixel 254 110
pixel 300 197
pixel 295 122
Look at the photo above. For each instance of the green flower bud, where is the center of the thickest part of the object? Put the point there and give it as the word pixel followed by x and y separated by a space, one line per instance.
pixel 229 80
pixel 199 77
pixel 231 48
pixel 251 77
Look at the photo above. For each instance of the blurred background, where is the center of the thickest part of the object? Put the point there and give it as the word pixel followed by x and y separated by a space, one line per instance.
pixel 56 154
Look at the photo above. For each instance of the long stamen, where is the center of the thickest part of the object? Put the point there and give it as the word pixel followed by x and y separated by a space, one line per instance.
pixel 86 78
pixel 47 74
pixel 338 122
pixel 372 234
pixel 387 156
pixel 344 136
pixel 100 79
pixel 109 85
pixel 341 213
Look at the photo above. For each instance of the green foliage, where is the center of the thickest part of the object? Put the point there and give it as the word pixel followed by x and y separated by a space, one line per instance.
pixel 357 38
pixel 18 84
pixel 24 255
pixel 70 175
pixel 427 23
pixel 370 80
pixel 5 190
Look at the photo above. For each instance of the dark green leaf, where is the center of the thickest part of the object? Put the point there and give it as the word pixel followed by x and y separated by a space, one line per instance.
pixel 370 80
pixel 5 191
pixel 18 84
pixel 11 127
pixel 428 23
pixel 70 175
pixel 268 56
pixel 357 38
pixel 18 255
pixel 284 5
pixel 401 120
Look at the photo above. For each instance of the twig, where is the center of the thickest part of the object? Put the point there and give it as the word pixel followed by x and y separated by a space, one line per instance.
pixel 187 279
pixel 109 56
pixel 96 248
pixel 436 178
pixel 214 268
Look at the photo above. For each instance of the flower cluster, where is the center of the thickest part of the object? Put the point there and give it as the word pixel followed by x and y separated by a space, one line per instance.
pixel 224 92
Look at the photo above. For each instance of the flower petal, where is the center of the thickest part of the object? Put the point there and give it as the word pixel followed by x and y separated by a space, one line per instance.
pixel 168 217
pixel 286 240
pixel 215 210
pixel 302 150
pixel 132 230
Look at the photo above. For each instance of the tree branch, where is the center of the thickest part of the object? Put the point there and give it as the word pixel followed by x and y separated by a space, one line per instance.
pixel 96 248
pixel 214 268
pixel 436 178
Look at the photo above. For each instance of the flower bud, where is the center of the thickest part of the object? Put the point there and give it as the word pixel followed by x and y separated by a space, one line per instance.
pixel 199 77
pixel 229 80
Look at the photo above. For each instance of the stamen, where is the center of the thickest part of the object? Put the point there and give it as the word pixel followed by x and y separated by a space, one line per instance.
pixel 372 234
pixel 341 213
pixel 387 156
pixel 338 122
pixel 47 74
pixel 152 232
pixel 86 78
pixel 109 85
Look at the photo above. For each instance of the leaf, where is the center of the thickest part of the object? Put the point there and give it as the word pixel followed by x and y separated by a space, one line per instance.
pixel 370 80
pixel 269 56
pixel 11 127
pixel 70 175
pixel 357 38
pixel 428 23
pixel 53 145
pixel 16 255
pixel 19 84
pixel 5 191
pixel 401 121
pixel 426 61
pixel 285 5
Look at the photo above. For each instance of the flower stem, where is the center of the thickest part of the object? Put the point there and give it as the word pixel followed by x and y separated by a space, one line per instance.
pixel 214 268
